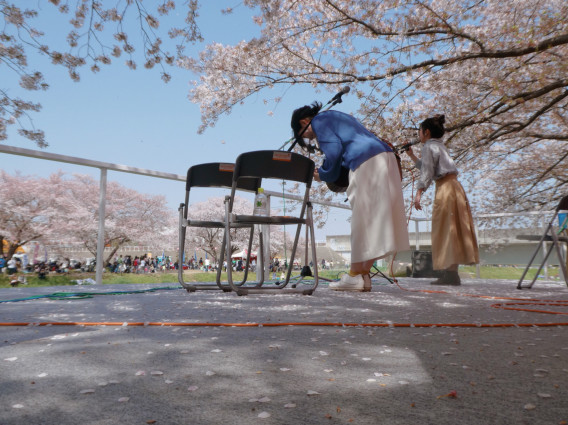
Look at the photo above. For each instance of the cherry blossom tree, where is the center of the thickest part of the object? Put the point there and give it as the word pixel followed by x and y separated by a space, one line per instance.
pixel 29 210
pixel 130 216
pixel 496 69
pixel 97 36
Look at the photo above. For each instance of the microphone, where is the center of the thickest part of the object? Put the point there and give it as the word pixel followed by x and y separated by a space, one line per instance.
pixel 337 97
pixel 406 146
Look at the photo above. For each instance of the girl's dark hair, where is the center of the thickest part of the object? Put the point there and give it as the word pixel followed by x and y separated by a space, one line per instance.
pixel 307 111
pixel 435 124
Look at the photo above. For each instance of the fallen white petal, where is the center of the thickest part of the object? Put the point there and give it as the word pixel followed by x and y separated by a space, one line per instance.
pixel 18 406
pixel 11 359
pixel 289 405
pixel 544 395
pixel 123 399
pixel 89 391
pixel 264 400
pixel 216 350
pixel 328 370
pixel 156 373
pixel 284 369
pixel 529 406
pixel 140 373
pixel 209 373
pixel 366 359
pixel 311 392
pixel 42 375
pixel 323 353
pixel 264 415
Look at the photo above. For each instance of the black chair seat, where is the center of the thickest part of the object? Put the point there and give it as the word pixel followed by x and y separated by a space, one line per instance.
pixel 255 219
pixel 211 224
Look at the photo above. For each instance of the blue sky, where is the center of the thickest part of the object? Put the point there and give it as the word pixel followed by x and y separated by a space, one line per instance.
pixel 133 118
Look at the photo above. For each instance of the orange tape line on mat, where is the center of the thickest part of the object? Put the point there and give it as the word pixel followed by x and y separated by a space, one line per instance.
pixel 257 325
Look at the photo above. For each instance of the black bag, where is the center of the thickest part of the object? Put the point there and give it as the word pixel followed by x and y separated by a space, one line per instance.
pixel 422 265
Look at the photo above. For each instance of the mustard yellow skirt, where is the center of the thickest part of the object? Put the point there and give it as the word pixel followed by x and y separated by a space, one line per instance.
pixel 453 231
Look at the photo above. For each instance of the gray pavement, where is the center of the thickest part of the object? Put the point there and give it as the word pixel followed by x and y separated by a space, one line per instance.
pixel 287 374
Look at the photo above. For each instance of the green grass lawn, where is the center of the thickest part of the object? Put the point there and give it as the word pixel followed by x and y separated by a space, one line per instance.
pixel 512 273
pixel 170 277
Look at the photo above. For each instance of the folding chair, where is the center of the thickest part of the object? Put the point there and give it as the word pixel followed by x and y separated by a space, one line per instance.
pixel 551 234
pixel 273 165
pixel 215 175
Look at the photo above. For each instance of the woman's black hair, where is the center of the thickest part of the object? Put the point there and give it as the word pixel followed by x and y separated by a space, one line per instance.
pixel 307 111
pixel 435 124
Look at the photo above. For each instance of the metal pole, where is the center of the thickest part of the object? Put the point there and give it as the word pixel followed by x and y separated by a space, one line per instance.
pixel 544 247
pixel 266 242
pixel 417 235
pixel 101 235
pixel 478 265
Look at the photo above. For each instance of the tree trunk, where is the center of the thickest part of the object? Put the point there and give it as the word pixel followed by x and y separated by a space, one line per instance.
pixel 113 252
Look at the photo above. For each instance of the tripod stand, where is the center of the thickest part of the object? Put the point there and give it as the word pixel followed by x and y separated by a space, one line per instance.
pixel 378 272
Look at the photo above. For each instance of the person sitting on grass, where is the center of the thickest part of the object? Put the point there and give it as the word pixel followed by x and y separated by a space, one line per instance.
pixel 42 271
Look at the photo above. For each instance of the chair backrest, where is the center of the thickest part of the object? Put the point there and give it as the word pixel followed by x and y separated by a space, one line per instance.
pixel 276 165
pixel 217 174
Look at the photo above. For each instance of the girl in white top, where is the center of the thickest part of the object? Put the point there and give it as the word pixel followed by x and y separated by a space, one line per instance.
pixel 453 234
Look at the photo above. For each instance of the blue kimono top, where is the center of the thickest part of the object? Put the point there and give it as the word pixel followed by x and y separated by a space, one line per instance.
pixel 344 142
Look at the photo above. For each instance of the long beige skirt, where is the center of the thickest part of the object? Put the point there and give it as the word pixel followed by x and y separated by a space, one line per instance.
pixel 453 232
pixel 378 220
